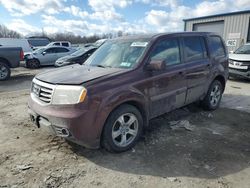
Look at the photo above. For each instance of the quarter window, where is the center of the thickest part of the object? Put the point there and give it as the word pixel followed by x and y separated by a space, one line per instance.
pixel 168 51
pixel 194 48
pixel 216 46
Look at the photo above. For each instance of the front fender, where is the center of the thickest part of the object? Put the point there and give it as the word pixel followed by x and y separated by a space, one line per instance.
pixel 113 101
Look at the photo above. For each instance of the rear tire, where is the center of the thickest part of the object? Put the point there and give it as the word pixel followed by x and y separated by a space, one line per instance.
pixel 213 97
pixel 32 64
pixel 4 71
pixel 122 129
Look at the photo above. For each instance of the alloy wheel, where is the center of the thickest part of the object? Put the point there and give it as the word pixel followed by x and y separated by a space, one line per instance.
pixel 3 72
pixel 125 130
pixel 215 95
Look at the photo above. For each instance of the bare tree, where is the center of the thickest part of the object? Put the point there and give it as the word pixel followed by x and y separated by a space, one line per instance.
pixel 7 33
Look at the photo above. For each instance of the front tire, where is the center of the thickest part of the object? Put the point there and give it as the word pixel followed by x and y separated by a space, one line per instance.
pixel 4 71
pixel 214 95
pixel 122 129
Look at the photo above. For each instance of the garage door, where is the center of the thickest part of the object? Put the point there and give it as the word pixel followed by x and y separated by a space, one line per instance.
pixel 216 27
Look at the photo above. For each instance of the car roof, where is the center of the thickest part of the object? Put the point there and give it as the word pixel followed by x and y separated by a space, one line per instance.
pixel 153 35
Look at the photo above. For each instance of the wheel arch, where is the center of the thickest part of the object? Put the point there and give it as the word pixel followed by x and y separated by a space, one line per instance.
pixel 3 60
pixel 222 80
pixel 138 105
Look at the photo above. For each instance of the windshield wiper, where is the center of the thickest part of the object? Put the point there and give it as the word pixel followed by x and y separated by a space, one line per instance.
pixel 101 66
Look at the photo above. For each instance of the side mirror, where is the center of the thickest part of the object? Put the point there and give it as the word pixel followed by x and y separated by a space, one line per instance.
pixel 43 53
pixel 156 65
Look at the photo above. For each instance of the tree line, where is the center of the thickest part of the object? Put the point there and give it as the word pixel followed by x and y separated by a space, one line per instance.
pixel 71 37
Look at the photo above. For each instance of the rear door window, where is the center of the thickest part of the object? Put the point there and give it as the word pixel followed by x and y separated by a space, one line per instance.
pixel 216 46
pixel 194 48
pixel 65 44
pixel 167 50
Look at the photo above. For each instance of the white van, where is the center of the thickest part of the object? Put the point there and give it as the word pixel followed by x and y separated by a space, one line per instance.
pixel 13 42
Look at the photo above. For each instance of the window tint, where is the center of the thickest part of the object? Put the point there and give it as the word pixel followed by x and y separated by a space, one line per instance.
pixel 168 51
pixel 61 50
pixel 50 50
pixel 38 42
pixel 56 44
pixel 216 46
pixel 65 44
pixel 194 48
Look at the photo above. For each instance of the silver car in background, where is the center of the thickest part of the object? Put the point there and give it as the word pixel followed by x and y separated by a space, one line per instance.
pixel 46 56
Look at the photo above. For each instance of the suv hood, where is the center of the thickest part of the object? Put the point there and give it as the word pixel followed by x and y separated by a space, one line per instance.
pixel 240 57
pixel 75 74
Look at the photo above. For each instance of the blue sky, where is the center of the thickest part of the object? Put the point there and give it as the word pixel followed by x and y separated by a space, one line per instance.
pixel 88 17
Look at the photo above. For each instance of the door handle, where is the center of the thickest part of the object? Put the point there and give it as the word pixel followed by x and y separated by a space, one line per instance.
pixel 208 65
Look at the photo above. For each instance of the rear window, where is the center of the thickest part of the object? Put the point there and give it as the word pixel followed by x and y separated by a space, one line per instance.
pixel 194 48
pixel 216 46
pixel 38 42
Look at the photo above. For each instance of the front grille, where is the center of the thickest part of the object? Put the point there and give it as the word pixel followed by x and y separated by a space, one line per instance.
pixel 42 91
pixel 239 70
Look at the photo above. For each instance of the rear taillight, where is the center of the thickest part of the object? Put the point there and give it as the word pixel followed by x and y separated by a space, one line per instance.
pixel 21 55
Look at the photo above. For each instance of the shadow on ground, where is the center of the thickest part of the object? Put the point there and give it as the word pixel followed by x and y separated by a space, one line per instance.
pixel 217 146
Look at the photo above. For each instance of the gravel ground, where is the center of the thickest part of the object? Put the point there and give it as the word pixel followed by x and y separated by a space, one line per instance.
pixel 185 148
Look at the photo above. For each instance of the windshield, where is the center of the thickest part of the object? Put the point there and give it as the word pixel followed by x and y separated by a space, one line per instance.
pixel 118 54
pixel 39 50
pixel 243 50
pixel 79 52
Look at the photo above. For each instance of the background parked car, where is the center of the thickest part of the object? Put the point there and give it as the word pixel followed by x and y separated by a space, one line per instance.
pixel 100 42
pixel 239 62
pixel 46 56
pixel 10 57
pixel 36 43
pixel 80 56
pixel 60 43
pixel 14 42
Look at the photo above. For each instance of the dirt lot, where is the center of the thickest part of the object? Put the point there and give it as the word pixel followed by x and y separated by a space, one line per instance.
pixel 206 149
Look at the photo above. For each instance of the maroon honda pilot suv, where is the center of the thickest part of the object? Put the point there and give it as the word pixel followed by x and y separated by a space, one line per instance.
pixel 110 99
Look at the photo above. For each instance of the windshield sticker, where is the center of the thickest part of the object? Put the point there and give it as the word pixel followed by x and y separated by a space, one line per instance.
pixel 139 44
pixel 125 64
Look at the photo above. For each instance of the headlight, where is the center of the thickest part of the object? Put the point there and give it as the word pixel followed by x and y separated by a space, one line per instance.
pixel 231 61
pixel 68 94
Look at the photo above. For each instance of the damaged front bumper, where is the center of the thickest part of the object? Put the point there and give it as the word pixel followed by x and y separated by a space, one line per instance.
pixel 72 122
